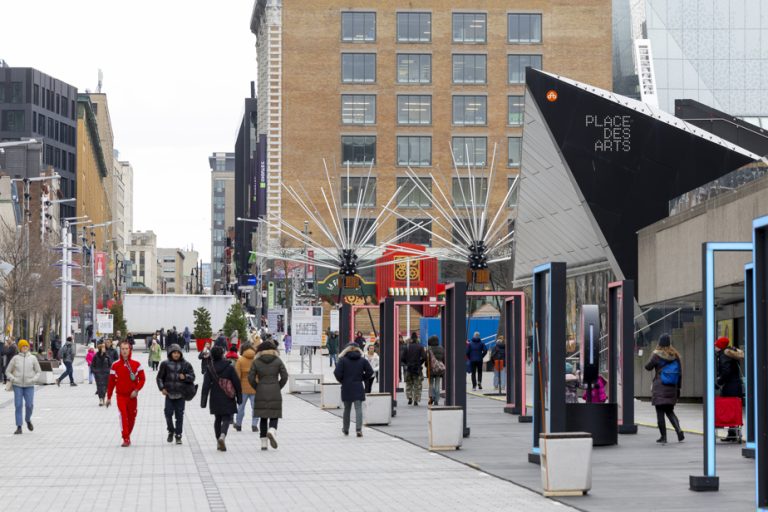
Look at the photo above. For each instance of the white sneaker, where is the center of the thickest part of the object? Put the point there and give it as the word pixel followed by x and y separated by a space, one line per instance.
pixel 271 435
pixel 264 443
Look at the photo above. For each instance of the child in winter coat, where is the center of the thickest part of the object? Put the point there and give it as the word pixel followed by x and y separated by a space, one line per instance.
pixel 89 361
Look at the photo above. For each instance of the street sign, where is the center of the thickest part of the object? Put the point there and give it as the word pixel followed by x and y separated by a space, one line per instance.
pixel 104 323
pixel 334 320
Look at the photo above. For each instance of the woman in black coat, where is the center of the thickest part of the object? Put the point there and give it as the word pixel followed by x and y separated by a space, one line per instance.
pixel 221 406
pixel 352 371
pixel 100 367
pixel 663 396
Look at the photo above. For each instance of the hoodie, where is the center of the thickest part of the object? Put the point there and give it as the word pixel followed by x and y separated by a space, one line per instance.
pixel 168 377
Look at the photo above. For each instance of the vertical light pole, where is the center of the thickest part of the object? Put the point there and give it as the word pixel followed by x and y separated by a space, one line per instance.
pixel 66 273
pixel 93 269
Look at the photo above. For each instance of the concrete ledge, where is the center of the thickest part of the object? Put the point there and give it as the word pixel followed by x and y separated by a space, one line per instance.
pixel 304 383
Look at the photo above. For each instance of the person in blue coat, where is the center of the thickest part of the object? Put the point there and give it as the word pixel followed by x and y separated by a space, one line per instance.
pixel 475 353
pixel 352 371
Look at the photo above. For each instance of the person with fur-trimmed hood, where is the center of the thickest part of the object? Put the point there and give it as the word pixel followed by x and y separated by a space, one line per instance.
pixel 664 396
pixel 352 371
pixel 176 381
pixel 268 376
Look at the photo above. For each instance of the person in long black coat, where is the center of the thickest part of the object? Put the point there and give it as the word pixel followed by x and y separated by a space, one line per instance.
pixel 100 367
pixel 352 371
pixel 221 406
pixel 663 396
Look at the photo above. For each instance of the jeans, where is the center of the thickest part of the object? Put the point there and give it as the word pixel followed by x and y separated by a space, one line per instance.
pixel 500 379
pixel 221 424
pixel 263 425
pixel 241 410
pixel 477 373
pixel 435 383
pixel 358 415
pixel 333 359
pixel 28 397
pixel 90 375
pixel 68 370
pixel 174 407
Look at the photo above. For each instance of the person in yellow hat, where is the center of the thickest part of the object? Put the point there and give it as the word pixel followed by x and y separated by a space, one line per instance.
pixel 23 372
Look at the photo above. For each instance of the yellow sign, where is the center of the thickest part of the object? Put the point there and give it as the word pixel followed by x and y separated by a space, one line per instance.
pixel 402 269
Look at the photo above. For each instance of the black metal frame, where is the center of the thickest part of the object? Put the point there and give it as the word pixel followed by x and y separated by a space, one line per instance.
pixel 760 261
pixel 749 360
pixel 387 348
pixel 621 334
pixel 548 304
pixel 454 340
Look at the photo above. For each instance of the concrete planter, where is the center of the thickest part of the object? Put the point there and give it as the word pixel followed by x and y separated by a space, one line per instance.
pixel 566 463
pixel 377 409
pixel 446 425
pixel 330 395
pixel 46 378
pixel 304 383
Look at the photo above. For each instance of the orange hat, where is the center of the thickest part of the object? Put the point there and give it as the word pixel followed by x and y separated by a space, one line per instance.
pixel 722 343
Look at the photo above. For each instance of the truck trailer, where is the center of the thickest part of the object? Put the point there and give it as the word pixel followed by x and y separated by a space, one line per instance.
pixel 147 313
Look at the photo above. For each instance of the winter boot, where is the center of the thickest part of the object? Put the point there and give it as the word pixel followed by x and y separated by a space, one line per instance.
pixel 170 437
pixel 676 425
pixel 220 444
pixel 178 439
pixel 272 436
pixel 264 443
pixel 18 430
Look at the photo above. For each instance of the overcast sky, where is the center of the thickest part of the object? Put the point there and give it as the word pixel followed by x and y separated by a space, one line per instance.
pixel 175 73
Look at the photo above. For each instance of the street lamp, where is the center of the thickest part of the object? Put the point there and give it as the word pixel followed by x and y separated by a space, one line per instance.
pixel 66 272
pixel 93 266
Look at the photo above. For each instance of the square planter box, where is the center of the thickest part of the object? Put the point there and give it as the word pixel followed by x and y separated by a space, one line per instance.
pixel 446 427
pixel 330 395
pixel 566 463
pixel 304 383
pixel 46 378
pixel 377 409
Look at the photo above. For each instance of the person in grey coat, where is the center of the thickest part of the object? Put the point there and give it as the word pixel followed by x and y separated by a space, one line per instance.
pixel 67 356
pixel 23 371
pixel 663 396
pixel 268 376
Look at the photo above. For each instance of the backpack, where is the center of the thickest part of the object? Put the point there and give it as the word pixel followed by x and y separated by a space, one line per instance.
pixel 437 368
pixel 670 373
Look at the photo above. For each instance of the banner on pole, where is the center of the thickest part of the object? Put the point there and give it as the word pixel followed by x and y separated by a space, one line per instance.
pixel 334 320
pixel 103 323
pixel 99 262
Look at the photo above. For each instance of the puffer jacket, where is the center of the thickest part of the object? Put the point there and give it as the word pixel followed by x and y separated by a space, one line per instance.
pixel 101 364
pixel 413 358
pixel 243 366
pixel 268 375
pixel 662 394
pixel 168 375
pixel 23 370
pixel 476 350
pixel 67 352
pixel 352 371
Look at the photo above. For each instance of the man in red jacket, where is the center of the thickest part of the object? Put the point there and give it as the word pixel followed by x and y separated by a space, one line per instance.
pixel 127 376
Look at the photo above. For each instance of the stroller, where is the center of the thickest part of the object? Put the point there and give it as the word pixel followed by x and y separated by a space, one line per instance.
pixel 728 414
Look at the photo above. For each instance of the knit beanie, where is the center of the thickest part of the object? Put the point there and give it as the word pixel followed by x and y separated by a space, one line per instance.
pixel 664 340
pixel 722 343
pixel 23 343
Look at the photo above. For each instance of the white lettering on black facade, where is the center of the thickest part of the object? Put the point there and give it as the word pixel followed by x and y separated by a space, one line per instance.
pixel 614 132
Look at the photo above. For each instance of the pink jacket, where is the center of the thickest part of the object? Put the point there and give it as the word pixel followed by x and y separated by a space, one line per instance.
pixel 89 356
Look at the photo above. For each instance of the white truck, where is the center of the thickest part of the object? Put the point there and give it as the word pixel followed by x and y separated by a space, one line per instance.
pixel 147 313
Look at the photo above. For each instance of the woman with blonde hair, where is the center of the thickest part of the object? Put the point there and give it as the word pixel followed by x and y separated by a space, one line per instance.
pixel 667 380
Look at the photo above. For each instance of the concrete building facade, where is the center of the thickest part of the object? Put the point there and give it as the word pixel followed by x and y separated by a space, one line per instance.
pixel 92 171
pixel 170 277
pixel 405 85
pixel 222 206
pixel 36 105
pixel 142 253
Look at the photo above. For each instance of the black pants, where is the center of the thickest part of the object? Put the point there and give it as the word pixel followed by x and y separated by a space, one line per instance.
pixel 477 373
pixel 174 407
pixel 669 411
pixel 221 424
pixel 369 384
pixel 155 364
pixel 263 425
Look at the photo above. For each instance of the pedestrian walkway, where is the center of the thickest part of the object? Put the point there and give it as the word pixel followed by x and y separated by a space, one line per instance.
pixel 73 461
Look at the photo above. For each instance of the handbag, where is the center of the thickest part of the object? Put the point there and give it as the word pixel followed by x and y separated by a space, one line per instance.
pixel 224 384
pixel 190 390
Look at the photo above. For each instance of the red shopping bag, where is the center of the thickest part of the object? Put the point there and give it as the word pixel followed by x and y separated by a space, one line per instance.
pixel 728 412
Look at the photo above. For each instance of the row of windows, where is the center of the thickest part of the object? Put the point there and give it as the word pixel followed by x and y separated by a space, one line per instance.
pixel 416 27
pixel 414 68
pixel 13 92
pixel 59 158
pixel 362 190
pixel 55 130
pixel 416 109
pixel 416 151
